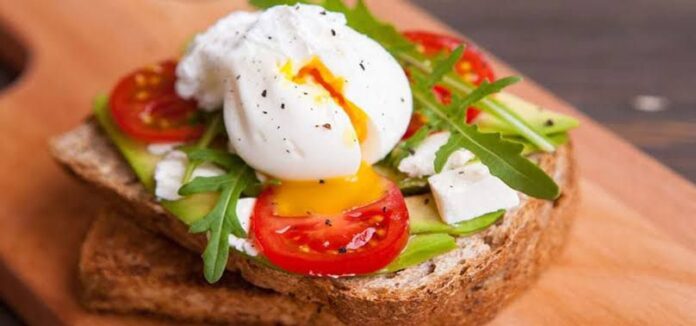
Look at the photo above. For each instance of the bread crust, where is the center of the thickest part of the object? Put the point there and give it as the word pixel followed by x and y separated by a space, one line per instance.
pixel 465 286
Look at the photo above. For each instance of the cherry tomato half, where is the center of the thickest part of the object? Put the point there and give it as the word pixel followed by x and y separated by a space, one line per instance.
pixel 359 241
pixel 145 106
pixel 473 66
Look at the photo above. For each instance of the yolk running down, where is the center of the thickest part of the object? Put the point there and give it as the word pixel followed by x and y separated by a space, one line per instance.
pixel 330 196
pixel 334 195
pixel 320 74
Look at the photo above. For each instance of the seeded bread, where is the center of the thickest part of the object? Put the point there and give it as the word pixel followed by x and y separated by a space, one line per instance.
pixel 465 286
pixel 127 269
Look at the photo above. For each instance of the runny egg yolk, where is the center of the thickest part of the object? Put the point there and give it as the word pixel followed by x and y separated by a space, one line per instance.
pixel 316 72
pixel 334 195
pixel 330 196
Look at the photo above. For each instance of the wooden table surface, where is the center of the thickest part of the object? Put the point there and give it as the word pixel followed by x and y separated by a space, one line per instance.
pixel 598 55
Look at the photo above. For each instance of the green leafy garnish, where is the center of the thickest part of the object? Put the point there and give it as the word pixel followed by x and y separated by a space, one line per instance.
pixel 503 158
pixel 222 220
pixel 222 158
pixel 212 129
pixel 442 67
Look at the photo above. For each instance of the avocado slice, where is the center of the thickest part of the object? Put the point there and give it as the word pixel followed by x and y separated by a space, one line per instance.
pixel 546 121
pixel 421 248
pixel 424 218
pixel 135 152
pixel 407 185
pixel 143 163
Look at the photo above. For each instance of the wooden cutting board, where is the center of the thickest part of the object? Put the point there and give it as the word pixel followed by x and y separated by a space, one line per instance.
pixel 631 258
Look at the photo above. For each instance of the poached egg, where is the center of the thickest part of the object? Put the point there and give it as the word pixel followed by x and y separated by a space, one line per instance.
pixel 305 98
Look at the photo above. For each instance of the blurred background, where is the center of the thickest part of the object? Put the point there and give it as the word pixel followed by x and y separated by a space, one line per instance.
pixel 629 64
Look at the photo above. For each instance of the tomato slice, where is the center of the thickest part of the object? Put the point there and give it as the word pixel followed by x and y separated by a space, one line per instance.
pixel 359 241
pixel 145 106
pixel 473 66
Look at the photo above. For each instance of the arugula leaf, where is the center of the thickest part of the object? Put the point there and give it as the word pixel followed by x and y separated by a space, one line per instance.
pixel 222 220
pixel 224 159
pixel 493 106
pixel 442 67
pixel 481 92
pixel 205 184
pixel 503 158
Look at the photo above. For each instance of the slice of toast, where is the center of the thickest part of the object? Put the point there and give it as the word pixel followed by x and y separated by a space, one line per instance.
pixel 124 268
pixel 466 285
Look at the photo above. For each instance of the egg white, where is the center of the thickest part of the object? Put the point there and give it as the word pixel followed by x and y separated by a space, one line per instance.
pixel 289 130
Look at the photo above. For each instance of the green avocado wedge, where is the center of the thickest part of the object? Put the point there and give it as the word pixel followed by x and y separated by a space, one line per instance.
pixel 407 185
pixel 546 121
pixel 424 218
pixel 143 163
pixel 135 152
pixel 421 248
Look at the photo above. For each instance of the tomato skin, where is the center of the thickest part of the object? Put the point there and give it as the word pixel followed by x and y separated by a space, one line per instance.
pixel 473 65
pixel 321 245
pixel 145 106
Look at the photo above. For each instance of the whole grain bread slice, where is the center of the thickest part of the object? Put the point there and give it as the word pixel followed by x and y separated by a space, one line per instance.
pixel 124 268
pixel 467 285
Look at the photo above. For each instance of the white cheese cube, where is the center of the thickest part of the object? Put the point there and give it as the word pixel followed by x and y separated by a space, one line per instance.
pixel 420 163
pixel 470 191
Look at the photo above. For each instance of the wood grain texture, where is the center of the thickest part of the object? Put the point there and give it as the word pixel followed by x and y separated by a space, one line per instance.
pixel 631 258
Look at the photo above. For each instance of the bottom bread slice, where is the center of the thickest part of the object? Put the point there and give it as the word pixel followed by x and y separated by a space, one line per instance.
pixel 126 269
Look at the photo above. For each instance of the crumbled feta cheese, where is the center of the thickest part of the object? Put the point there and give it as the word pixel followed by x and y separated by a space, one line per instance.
pixel 162 148
pixel 245 207
pixel 420 163
pixel 465 193
pixel 169 173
